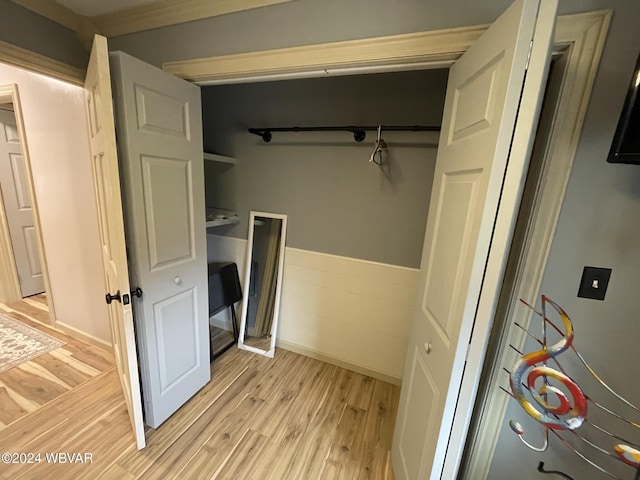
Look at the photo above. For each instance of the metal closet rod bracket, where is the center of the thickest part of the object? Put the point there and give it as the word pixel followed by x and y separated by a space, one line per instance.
pixel 359 132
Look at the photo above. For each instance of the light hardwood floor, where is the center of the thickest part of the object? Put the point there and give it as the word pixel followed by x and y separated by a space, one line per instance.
pixel 291 417
pixel 30 385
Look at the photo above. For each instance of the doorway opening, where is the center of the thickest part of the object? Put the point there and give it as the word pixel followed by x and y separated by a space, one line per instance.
pixel 346 212
pixel 24 271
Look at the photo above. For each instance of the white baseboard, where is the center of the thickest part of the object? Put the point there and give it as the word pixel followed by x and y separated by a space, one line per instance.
pixel 339 362
pixel 85 337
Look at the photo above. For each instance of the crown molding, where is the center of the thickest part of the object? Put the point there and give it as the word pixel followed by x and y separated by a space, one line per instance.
pixel 170 12
pixel 35 62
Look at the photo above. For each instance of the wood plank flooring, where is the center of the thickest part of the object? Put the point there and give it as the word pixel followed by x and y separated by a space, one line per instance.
pixel 291 417
pixel 263 343
pixel 27 387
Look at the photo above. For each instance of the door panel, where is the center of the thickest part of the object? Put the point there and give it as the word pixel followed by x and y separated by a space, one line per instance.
pixel 474 104
pixel 160 137
pixel 19 180
pixel 10 129
pixel 106 177
pixel 161 113
pixel 17 204
pixel 423 395
pixel 169 210
pixel 172 329
pixel 481 108
pixel 33 256
pixel 445 270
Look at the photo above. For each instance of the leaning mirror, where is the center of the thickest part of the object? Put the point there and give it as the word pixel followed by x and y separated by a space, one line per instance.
pixel 262 282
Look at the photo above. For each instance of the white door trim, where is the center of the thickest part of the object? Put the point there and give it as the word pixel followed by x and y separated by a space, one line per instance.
pixel 9 284
pixel 35 62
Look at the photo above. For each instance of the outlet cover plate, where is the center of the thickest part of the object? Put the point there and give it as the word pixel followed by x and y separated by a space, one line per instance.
pixel 594 282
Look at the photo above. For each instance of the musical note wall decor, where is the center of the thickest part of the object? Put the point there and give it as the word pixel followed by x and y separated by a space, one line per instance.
pixel 562 405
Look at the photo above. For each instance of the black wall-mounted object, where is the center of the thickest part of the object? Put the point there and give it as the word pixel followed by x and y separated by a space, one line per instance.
pixel 626 142
pixel 594 283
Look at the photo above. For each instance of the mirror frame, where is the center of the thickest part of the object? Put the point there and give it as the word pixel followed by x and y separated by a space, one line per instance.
pixel 247 277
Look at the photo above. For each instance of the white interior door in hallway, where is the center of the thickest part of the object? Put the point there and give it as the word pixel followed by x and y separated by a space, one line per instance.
pixel 17 204
pixel 488 109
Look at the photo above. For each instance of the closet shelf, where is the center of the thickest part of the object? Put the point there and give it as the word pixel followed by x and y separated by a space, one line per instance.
pixel 217 217
pixel 218 222
pixel 219 158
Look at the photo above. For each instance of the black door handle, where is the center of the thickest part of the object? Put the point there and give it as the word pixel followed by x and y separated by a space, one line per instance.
pixel 110 298
pixel 137 292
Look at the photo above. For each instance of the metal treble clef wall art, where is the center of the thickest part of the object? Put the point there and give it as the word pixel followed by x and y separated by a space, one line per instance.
pixel 540 391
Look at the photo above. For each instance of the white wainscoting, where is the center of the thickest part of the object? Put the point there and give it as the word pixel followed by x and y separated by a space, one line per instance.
pixel 345 311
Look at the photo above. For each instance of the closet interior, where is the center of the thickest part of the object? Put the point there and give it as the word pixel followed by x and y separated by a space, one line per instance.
pixel 349 160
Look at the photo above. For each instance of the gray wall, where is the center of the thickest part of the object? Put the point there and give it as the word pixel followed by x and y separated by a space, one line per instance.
pixel 26 29
pixel 600 220
pixel 337 202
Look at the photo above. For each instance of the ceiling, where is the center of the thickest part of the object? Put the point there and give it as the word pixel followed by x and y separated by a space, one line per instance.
pixel 91 8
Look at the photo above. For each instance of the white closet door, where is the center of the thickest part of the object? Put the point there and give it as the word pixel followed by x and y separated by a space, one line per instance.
pixel 104 160
pixel 17 204
pixel 160 140
pixel 482 110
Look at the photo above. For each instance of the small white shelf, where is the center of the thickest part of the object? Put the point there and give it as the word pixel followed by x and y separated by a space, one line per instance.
pixel 217 217
pixel 214 157
pixel 222 221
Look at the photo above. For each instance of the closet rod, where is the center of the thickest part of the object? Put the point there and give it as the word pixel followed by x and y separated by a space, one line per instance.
pixel 359 132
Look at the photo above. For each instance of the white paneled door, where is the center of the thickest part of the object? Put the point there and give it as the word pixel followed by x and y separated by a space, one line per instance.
pixel 104 160
pixel 158 118
pixel 17 204
pixel 482 110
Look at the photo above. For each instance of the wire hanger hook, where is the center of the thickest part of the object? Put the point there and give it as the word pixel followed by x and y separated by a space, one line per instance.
pixel 379 147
